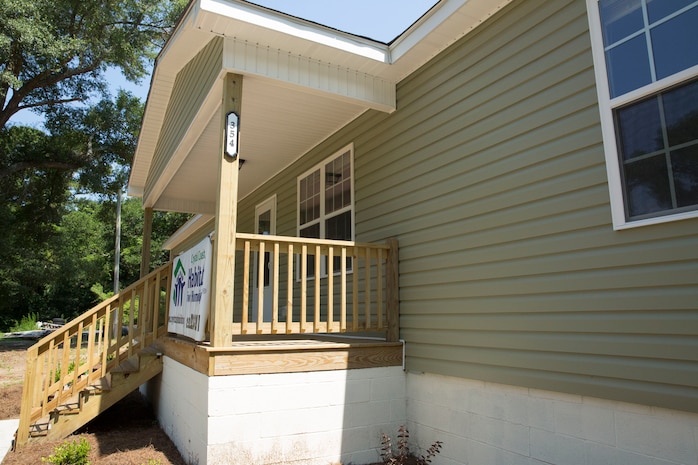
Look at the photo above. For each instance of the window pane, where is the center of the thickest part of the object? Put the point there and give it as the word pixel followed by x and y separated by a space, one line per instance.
pixel 684 163
pixel 628 66
pixel 681 113
pixel 658 9
pixel 339 227
pixel 639 129
pixel 647 186
pixel 312 232
pixel 674 44
pixel 309 188
pixel 619 19
pixel 338 183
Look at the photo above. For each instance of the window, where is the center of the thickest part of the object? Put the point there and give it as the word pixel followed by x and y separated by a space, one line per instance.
pixel 325 201
pixel 646 65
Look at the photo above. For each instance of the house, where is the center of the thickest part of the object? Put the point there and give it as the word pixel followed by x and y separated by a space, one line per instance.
pixel 535 165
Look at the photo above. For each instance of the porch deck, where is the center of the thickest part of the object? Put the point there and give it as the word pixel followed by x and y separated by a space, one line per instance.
pixel 265 354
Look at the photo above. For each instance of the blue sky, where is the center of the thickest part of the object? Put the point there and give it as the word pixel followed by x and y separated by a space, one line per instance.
pixel 381 20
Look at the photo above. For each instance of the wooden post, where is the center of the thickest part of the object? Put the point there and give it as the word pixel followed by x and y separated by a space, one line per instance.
pixel 393 292
pixel 147 233
pixel 223 278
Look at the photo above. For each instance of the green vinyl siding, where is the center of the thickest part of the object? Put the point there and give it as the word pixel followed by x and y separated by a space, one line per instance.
pixel 191 87
pixel 491 174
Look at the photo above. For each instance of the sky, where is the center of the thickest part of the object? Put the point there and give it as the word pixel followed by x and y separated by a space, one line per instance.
pixel 381 20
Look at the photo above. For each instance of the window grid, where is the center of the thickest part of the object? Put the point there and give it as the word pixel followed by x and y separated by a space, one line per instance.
pixel 644 58
pixel 334 202
pixel 679 65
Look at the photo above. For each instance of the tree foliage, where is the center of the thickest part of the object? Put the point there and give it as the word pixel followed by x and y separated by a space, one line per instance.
pixel 55 245
pixel 57 277
pixel 55 51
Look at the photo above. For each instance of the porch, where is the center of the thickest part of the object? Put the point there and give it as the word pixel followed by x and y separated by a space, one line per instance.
pixel 333 307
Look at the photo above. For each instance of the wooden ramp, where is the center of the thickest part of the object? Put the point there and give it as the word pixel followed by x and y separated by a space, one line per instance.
pixel 98 396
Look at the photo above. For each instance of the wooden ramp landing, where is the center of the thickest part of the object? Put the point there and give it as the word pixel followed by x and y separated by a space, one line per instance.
pixel 95 398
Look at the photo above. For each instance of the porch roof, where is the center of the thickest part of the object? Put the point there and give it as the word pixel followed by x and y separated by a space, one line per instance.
pixel 302 82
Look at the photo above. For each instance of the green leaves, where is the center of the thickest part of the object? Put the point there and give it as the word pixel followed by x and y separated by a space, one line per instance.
pixel 56 52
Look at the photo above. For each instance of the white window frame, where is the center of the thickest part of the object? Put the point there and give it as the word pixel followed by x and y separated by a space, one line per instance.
pixel 606 106
pixel 323 216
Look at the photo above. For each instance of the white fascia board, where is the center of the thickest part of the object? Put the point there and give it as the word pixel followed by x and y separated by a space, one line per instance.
pixel 417 32
pixel 186 230
pixel 294 27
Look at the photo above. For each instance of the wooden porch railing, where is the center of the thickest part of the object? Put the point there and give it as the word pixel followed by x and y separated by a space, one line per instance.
pixel 315 286
pixel 82 352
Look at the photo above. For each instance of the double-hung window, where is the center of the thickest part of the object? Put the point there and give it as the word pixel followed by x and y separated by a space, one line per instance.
pixel 326 200
pixel 646 63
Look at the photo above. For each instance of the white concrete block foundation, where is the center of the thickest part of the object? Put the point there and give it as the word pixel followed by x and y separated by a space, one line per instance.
pixel 314 418
pixel 492 424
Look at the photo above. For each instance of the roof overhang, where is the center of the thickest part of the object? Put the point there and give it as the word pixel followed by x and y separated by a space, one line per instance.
pixel 302 82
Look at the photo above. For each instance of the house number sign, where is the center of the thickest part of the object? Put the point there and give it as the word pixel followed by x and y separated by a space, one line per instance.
pixel 232 129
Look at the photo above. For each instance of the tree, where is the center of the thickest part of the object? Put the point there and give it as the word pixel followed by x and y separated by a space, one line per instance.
pixel 55 52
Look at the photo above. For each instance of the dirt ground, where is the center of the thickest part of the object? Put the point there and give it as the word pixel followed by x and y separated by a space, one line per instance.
pixel 126 434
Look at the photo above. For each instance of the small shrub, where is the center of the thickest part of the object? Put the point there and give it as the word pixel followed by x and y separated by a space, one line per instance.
pixel 27 323
pixel 401 455
pixel 70 453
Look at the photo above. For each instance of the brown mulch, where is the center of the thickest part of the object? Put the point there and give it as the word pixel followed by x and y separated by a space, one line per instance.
pixel 126 434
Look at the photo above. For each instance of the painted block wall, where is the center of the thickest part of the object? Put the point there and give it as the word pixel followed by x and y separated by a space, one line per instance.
pixel 180 401
pixel 493 424
pixel 314 418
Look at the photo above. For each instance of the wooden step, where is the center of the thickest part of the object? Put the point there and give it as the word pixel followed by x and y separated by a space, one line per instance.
pixel 99 396
pixel 38 430
pixel 128 366
pixel 72 408
pixel 100 385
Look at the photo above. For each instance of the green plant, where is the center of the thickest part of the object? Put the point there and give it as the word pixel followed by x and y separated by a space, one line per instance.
pixel 27 323
pixel 152 462
pixel 57 374
pixel 70 453
pixel 401 455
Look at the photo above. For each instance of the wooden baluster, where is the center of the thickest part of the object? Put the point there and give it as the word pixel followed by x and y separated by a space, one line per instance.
pixel 260 287
pixel 106 340
pixel 131 313
pixel 49 373
pixel 119 323
pixel 343 290
pixel 275 290
pixel 316 303
pixel 245 288
pixel 379 287
pixel 289 291
pixel 155 308
pixel 355 289
pixel 91 334
pixel 65 363
pixel 168 292
pixel 392 309
pixel 143 313
pixel 304 283
pixel 76 362
pixel 367 295
pixel 330 288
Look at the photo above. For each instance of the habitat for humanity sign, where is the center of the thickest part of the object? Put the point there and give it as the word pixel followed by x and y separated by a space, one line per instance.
pixel 191 282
